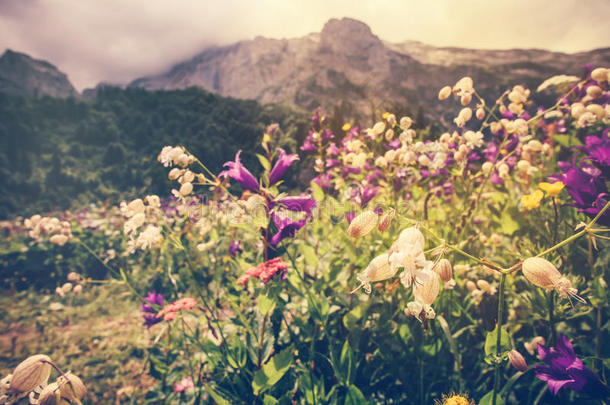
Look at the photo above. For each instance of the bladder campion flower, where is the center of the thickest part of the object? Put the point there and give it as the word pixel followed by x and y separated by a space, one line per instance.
pixel 532 201
pixel 30 373
pixel 362 224
pixel 379 269
pixel 552 189
pixel 542 273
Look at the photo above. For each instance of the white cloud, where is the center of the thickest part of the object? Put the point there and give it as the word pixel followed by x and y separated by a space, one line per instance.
pixel 120 40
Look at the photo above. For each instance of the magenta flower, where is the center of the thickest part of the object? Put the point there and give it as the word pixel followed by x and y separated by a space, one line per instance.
pixel 286 227
pixel 235 248
pixel 238 172
pixel 148 310
pixel 564 369
pixel 281 165
pixel 285 224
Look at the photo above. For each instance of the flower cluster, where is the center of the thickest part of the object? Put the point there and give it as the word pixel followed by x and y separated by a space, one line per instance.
pixel 138 212
pixel 407 253
pixel 75 284
pixel 39 226
pixel 168 313
pixel 265 271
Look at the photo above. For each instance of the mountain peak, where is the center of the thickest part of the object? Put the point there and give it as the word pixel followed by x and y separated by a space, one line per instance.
pixel 347 36
pixel 24 75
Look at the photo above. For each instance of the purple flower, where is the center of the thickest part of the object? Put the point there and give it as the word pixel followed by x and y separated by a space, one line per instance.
pixel 238 172
pixel 286 227
pixel 307 146
pixel 302 204
pixel 332 149
pixel 322 180
pixel 367 194
pixel 235 248
pixel 350 216
pixel 598 150
pixel 285 224
pixel 281 165
pixel 148 310
pixel 564 369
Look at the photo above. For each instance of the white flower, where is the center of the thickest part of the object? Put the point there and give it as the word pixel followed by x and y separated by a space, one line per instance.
pixel 149 237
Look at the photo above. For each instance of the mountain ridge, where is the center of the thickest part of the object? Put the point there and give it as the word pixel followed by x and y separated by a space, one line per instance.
pixel 347 66
pixel 21 74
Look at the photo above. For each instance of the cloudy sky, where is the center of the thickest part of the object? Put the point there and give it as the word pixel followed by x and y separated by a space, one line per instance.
pixel 120 40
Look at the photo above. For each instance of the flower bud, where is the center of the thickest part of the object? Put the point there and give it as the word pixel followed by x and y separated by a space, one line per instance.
pixel 77 289
pixel 73 276
pixel 71 387
pixel 444 270
pixel 188 176
pixel 466 99
pixel 471 286
pixel 517 360
pixel 444 93
pixel 58 239
pixel 600 74
pixel 30 373
pixel 362 224
pixel 480 113
pixel 186 189
pixel 174 173
pixel 540 272
pixel 594 91
pixel 386 221
pixel 66 288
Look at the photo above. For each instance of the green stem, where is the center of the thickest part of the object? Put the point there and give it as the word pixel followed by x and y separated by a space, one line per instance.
pixel 498 339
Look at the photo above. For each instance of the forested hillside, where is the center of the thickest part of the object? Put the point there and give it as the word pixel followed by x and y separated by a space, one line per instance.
pixel 59 153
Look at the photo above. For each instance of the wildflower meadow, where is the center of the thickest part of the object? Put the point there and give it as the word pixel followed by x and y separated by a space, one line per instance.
pixel 461 266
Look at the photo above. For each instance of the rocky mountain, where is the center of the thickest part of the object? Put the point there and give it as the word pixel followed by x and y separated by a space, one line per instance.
pixel 21 74
pixel 348 68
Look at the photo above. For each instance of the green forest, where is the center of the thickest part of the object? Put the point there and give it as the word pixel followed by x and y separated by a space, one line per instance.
pixel 61 153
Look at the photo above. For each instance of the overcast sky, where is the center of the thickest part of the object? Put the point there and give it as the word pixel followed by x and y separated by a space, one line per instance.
pixel 120 40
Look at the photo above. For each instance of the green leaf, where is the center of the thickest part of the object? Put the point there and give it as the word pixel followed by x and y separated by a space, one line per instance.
pixel 269 400
pixel 215 395
pixel 354 396
pixel 491 341
pixel 567 140
pixel 265 304
pixel 273 371
pixel 508 224
pixel 309 254
pixel 264 162
pixel 346 363
pixel 352 317
pixel 488 398
pixel 317 192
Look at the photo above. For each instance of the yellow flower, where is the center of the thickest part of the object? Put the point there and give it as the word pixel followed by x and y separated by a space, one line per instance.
pixel 347 126
pixel 553 189
pixel 531 201
pixel 455 399
pixel 385 115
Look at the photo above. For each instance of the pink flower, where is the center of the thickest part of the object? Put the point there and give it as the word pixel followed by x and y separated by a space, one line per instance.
pixel 184 384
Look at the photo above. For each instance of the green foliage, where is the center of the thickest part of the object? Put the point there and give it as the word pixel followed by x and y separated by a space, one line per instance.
pixel 62 153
